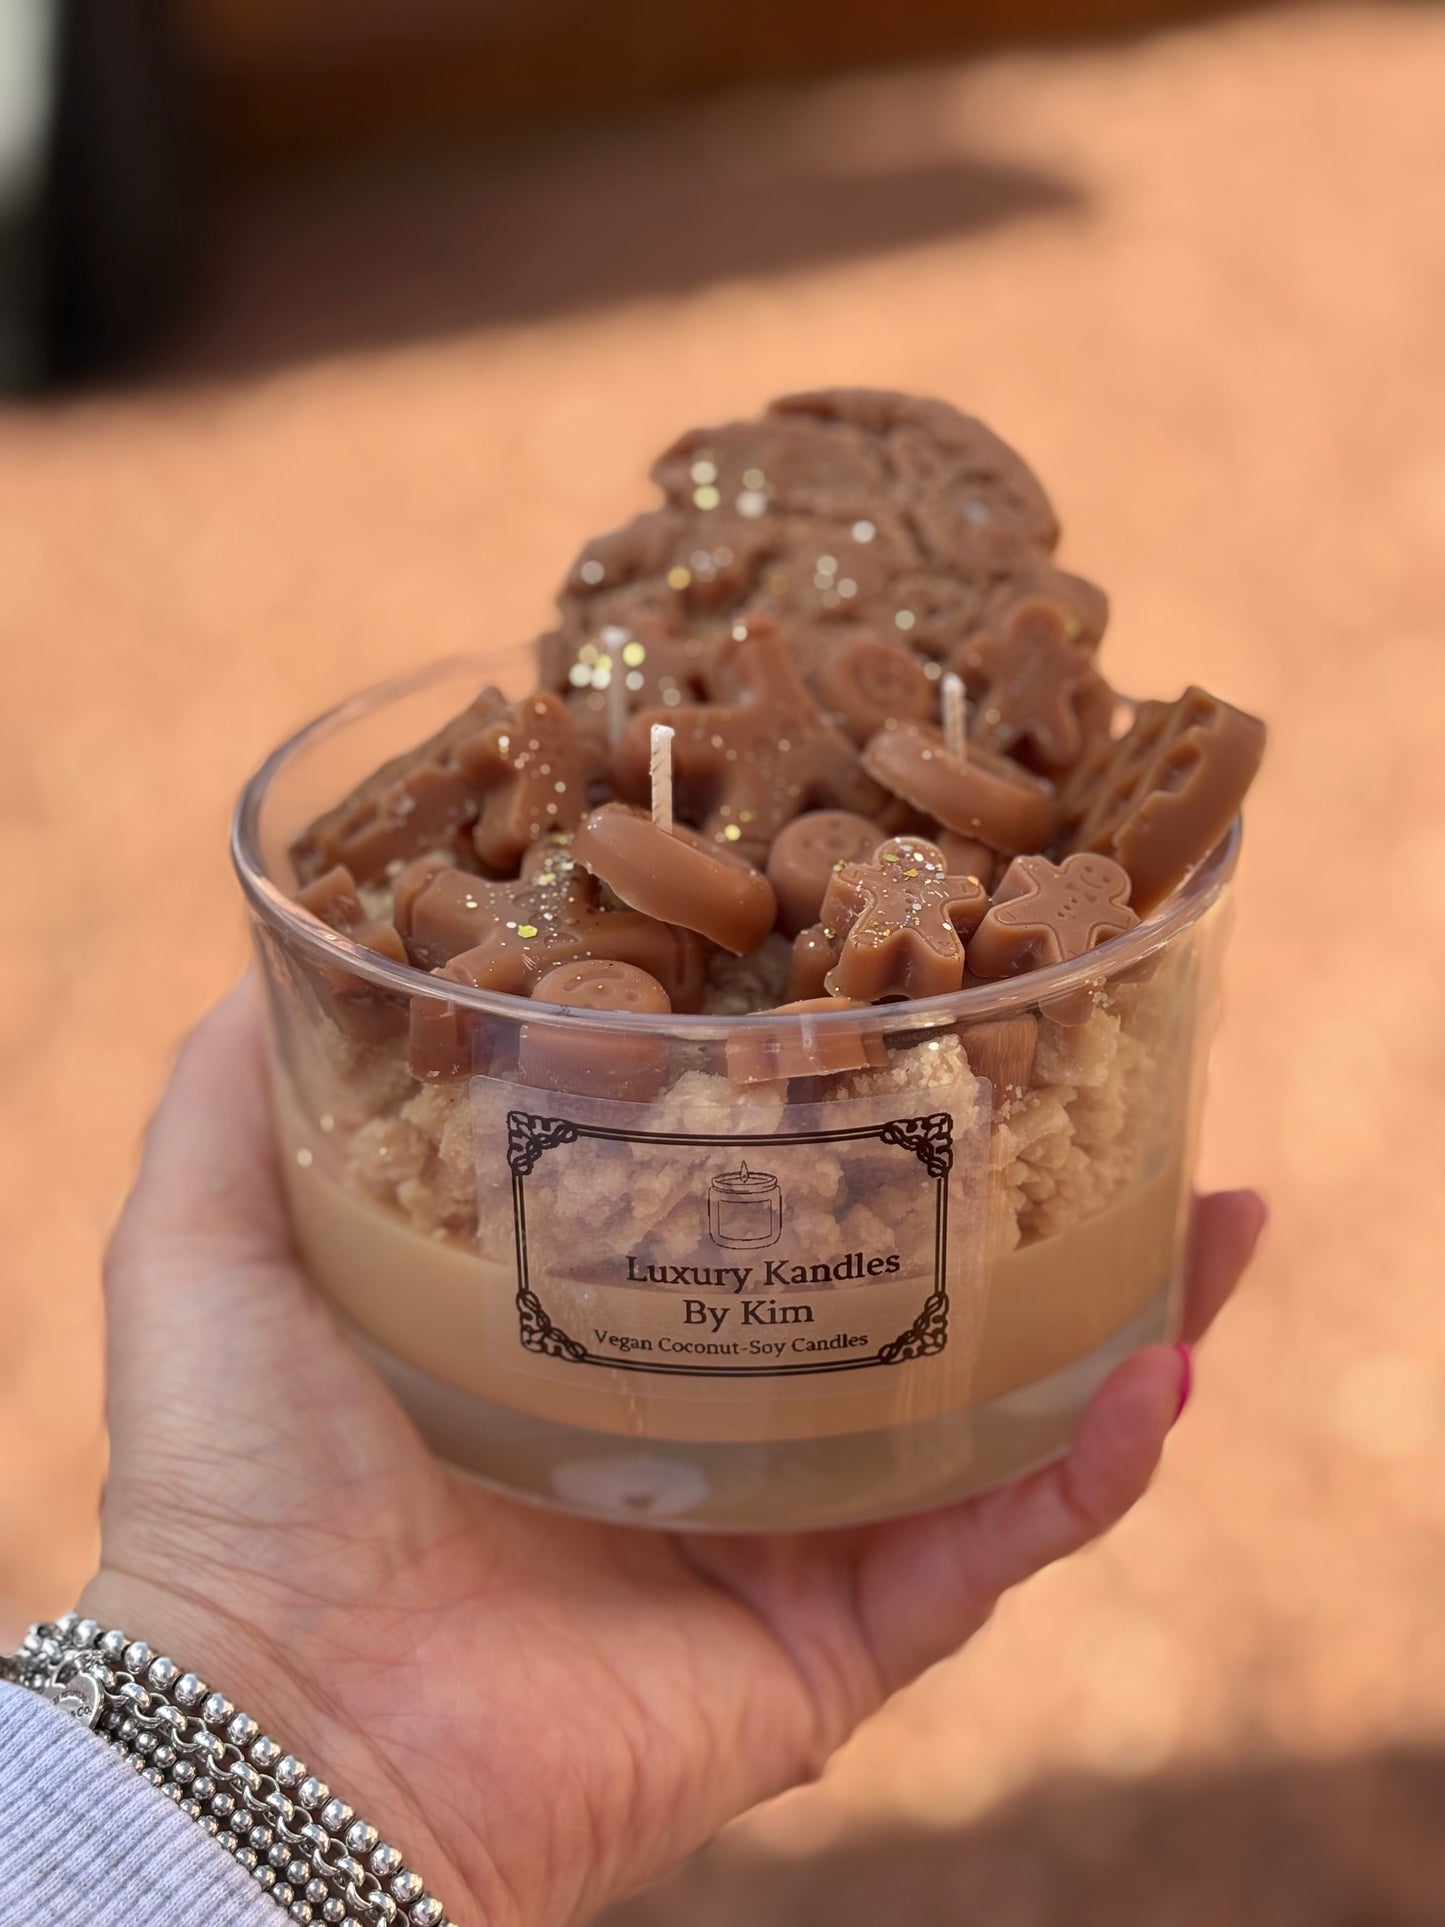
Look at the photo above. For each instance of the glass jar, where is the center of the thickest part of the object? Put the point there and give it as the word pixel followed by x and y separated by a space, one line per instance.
pixel 728 1298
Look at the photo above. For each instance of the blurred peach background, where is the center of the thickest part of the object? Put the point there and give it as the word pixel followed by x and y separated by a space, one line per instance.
pixel 1199 279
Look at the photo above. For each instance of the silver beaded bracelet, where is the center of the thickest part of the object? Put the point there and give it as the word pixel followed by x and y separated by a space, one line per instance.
pixel 310 1852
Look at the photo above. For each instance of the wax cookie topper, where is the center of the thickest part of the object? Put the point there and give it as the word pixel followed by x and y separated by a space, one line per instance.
pixel 361 1009
pixel 815 953
pixel 1034 686
pixel 1170 790
pixel 805 855
pixel 751 762
pixel 902 919
pixel 423 800
pixel 986 797
pixel 533 774
pixel 1049 913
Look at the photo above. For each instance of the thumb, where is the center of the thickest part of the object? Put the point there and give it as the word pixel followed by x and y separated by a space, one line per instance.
pixel 208 1191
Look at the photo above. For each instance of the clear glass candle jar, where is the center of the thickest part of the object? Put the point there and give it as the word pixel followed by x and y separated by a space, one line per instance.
pixel 729 1300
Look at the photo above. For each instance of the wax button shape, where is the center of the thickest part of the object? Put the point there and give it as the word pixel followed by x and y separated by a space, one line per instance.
pixel 805 855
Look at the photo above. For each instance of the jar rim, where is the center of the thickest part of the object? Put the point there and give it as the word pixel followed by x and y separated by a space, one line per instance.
pixel 297 927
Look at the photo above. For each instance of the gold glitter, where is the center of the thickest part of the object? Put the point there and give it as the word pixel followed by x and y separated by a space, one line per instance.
pixel 740 632
pixel 326 1121
pixel 633 654
pixel 704 471
pixel 752 503
pixel 679 577
pixel 827 565
pixel 732 833
pixel 905 619
pixel 706 498
pixel 863 531
pixel 305 1160
pixel 847 586
pixel 635 679
pixel 592 572
pixel 580 676
pixel 526 929
pixel 754 478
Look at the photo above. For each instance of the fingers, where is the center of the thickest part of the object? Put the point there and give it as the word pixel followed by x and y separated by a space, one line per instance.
pixel 926 1584
pixel 207 1190
pixel 1225 1232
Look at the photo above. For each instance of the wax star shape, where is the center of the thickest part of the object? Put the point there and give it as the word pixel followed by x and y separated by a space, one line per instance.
pixel 1034 686
pixel 532 771
pixel 1049 913
pixel 902 919
pixel 749 763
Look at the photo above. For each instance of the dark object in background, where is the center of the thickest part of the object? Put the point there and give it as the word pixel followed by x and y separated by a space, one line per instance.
pixel 96 171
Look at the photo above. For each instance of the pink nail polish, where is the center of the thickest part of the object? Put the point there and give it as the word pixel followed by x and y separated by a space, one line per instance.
pixel 1186 1381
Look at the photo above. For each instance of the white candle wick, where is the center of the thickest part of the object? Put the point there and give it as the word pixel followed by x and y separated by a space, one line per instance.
pixel 955 736
pixel 662 776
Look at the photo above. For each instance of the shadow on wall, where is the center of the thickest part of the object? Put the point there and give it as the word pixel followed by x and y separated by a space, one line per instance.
pixel 430 246
pixel 1350 1843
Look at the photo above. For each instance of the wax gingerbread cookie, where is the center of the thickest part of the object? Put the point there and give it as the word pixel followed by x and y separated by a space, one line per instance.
pixel 901 920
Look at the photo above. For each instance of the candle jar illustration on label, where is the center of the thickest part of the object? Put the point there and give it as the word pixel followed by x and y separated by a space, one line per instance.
pixel 744 1209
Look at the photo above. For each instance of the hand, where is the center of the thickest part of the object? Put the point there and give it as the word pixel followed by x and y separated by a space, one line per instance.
pixel 542 1713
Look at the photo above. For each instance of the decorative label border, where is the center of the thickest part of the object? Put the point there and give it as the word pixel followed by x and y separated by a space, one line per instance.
pixel 929 1138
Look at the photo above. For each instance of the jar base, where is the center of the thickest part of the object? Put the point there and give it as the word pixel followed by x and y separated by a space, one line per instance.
pixel 769 1486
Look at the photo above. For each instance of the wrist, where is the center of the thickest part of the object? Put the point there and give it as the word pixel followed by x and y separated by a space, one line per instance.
pixel 284 1693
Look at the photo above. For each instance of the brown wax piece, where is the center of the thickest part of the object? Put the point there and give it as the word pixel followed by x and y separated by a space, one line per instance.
pixel 1049 913
pixel 804 856
pixel 867 684
pixel 446 1041
pixel 966 856
pixel 748 764
pixel 504 936
pixel 534 774
pixel 614 1062
pixel 799 1047
pixel 424 799
pixel 1035 690
pixel 815 952
pixel 1002 1050
pixel 900 918
pixel 985 797
pixel 1170 790
pixel 677 876
pixel 362 1009
pixel 333 898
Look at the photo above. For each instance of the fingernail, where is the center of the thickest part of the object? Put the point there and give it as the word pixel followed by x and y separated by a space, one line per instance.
pixel 1186 1378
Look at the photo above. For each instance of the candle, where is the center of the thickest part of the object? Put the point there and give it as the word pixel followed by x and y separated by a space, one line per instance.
pixel 987 798
pixel 901 919
pixel 744 1209
pixel 677 875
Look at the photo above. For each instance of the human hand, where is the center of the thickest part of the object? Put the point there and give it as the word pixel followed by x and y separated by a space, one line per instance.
pixel 541 1712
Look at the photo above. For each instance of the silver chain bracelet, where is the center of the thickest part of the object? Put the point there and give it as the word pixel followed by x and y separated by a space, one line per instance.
pixel 310 1852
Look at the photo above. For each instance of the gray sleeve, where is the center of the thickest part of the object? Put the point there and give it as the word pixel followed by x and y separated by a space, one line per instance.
pixel 85 1842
